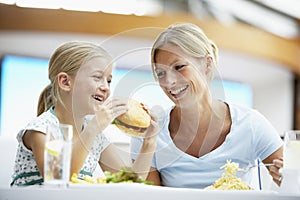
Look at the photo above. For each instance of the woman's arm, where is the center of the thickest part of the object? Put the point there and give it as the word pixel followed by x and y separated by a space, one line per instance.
pixel 277 159
pixel 110 159
pixel 143 161
pixel 154 176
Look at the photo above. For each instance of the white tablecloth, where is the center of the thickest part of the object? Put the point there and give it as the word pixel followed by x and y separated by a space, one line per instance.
pixel 134 191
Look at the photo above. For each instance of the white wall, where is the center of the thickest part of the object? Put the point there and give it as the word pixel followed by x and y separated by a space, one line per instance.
pixel 272 85
pixel 271 82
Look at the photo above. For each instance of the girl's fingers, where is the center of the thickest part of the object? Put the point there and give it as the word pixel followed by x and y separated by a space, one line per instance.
pixel 119 110
pixel 111 103
pixel 119 101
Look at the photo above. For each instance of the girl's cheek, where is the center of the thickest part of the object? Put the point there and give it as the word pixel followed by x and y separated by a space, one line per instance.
pixel 108 93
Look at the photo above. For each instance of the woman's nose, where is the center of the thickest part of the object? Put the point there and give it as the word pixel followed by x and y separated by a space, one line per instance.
pixel 171 78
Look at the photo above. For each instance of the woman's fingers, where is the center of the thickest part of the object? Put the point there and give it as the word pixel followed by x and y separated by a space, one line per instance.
pixel 278 162
pixel 153 129
pixel 275 170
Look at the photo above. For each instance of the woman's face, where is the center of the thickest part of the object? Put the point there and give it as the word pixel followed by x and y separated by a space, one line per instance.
pixel 181 76
pixel 92 85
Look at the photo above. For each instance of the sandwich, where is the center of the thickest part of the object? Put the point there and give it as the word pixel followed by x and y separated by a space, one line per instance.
pixel 135 121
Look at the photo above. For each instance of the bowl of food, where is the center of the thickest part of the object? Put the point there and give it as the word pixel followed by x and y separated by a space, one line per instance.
pixel 229 180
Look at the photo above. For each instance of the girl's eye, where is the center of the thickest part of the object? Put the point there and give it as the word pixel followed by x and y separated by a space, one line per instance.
pixel 109 81
pixel 97 77
pixel 178 67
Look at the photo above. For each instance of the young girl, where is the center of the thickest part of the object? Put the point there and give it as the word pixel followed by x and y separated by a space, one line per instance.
pixel 80 75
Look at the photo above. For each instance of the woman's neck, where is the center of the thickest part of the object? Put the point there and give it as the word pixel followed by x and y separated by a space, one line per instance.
pixel 201 129
pixel 196 111
pixel 203 115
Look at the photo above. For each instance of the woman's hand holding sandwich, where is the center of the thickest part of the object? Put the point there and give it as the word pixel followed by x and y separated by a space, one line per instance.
pixel 147 150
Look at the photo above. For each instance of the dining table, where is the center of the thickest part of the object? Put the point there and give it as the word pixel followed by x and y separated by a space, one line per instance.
pixel 135 191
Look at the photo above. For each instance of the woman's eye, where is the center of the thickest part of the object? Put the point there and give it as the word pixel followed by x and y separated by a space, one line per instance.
pixel 160 74
pixel 109 81
pixel 178 67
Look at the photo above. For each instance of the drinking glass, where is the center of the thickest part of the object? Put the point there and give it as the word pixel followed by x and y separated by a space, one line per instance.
pixel 291 151
pixel 57 155
pixel 291 158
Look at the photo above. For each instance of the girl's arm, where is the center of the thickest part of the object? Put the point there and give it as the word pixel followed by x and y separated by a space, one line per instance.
pixel 104 115
pixel 82 145
pixel 35 141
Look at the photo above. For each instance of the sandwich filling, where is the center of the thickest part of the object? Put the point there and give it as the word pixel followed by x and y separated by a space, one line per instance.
pixel 135 128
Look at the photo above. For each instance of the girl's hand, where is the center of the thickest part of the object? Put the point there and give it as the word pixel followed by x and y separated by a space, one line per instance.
pixel 109 110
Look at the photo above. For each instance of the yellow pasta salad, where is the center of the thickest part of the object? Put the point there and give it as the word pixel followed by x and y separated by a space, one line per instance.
pixel 229 180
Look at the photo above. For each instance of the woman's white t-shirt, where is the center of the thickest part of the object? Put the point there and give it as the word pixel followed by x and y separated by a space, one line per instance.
pixel 251 138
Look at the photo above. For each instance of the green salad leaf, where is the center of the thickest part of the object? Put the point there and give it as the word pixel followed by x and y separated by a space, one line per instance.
pixel 126 174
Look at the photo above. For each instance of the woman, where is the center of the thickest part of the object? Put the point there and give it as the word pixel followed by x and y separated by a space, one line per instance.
pixel 80 74
pixel 199 133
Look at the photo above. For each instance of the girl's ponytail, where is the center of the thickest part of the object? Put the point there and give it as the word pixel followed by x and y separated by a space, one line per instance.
pixel 45 100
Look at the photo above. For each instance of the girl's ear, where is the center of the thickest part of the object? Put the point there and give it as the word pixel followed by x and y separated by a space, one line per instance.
pixel 209 63
pixel 64 81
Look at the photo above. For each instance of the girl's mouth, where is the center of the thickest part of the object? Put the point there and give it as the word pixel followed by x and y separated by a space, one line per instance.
pixel 98 97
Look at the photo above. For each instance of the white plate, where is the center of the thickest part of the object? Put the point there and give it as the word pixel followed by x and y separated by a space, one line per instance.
pixel 107 185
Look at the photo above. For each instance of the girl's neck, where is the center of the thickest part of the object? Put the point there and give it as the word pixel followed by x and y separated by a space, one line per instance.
pixel 66 116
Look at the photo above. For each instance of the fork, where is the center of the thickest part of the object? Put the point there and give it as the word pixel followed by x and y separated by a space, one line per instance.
pixel 250 166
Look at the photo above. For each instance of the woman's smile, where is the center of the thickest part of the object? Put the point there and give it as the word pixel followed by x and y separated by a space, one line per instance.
pixel 178 92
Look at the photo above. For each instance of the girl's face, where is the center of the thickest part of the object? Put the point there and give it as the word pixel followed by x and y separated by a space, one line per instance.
pixel 181 76
pixel 92 85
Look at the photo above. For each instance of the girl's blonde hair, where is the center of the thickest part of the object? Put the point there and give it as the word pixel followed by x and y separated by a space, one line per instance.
pixel 190 38
pixel 67 58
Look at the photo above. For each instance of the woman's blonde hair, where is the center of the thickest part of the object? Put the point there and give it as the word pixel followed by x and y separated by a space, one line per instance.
pixel 190 38
pixel 67 58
